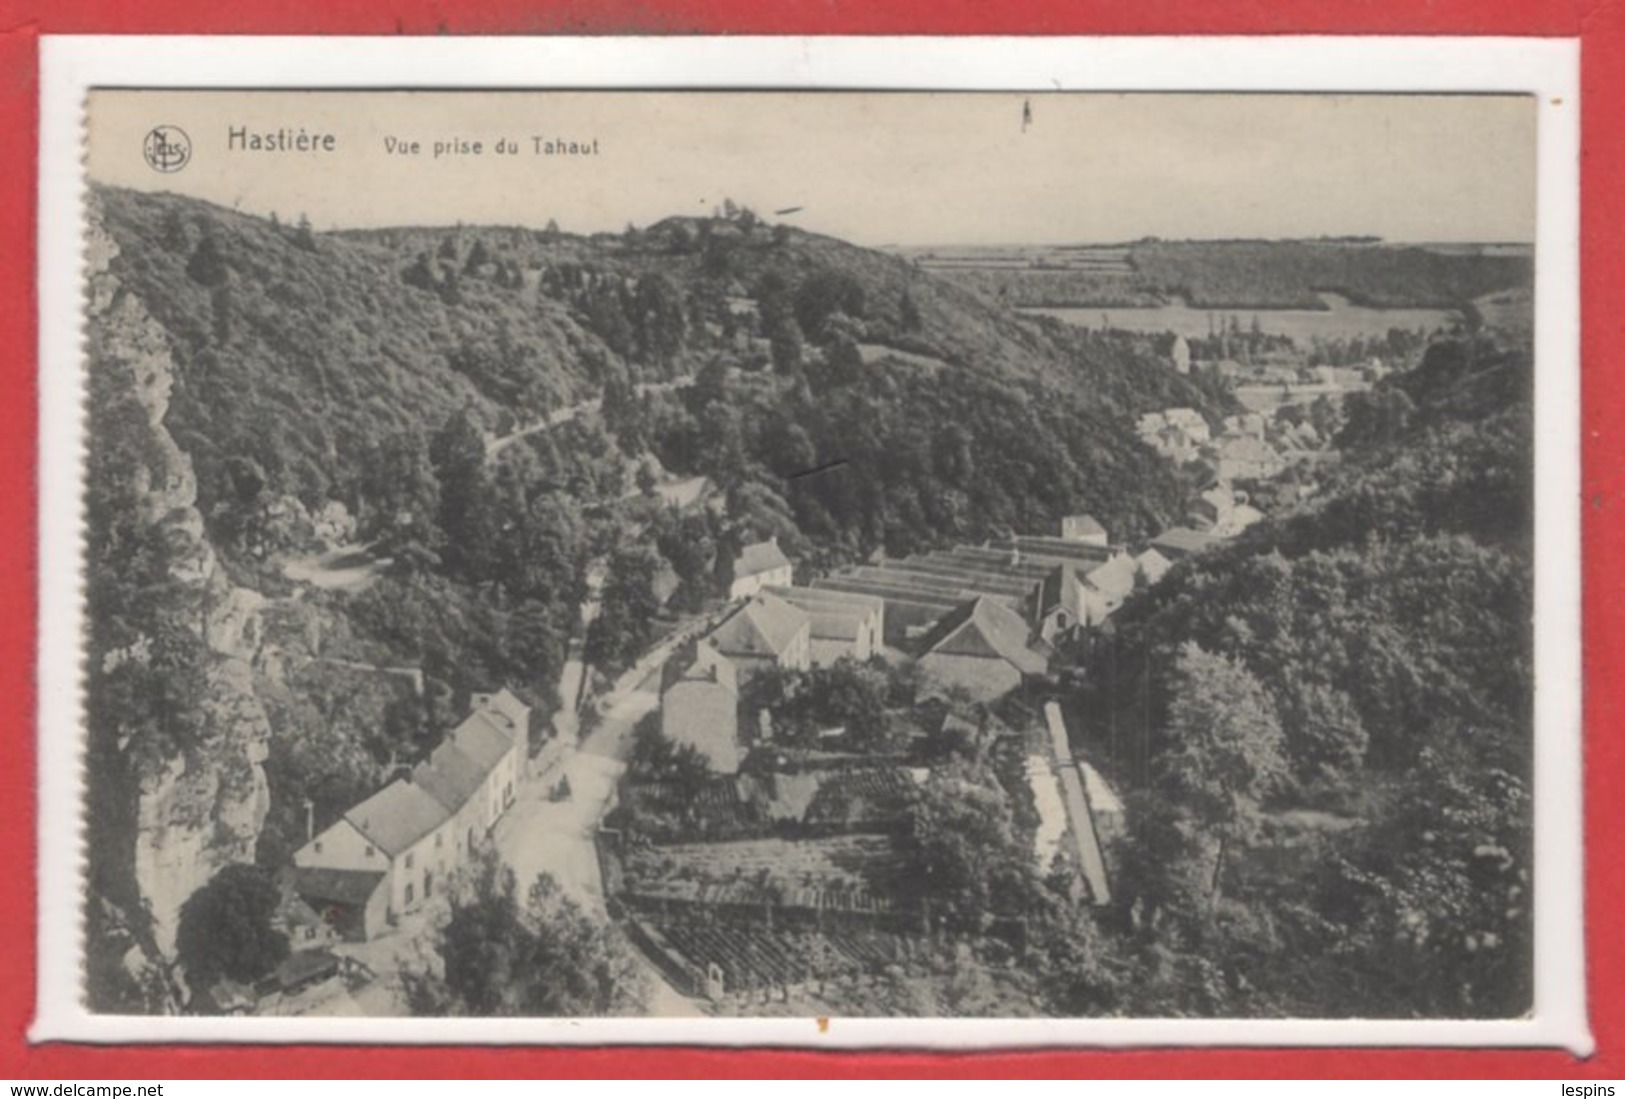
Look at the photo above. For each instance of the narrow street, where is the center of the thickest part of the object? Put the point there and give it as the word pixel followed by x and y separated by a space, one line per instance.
pixel 535 836
pixel 541 836
pixel 555 837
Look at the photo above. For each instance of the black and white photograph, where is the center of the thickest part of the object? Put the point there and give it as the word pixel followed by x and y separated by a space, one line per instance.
pixel 808 555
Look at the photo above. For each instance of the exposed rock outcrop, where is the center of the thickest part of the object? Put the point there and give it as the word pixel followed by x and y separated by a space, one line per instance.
pixel 201 806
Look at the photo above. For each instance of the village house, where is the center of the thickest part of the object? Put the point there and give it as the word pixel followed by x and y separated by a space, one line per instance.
pixel 1105 586
pixel 1177 434
pixel 759 565
pixel 1180 355
pixel 1083 528
pixel 1058 606
pixel 700 708
pixel 1246 423
pixel 982 647
pixel 1247 458
pixel 1188 420
pixel 399 832
pixel 1213 509
pixel 455 781
pixel 843 624
pixel 1153 565
pixel 1176 543
pixel 386 856
pixel 765 633
pixel 496 737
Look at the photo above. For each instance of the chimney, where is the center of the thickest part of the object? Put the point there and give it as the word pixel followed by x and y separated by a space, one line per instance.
pixel 310 820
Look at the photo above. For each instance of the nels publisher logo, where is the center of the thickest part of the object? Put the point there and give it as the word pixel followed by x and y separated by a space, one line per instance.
pixel 167 149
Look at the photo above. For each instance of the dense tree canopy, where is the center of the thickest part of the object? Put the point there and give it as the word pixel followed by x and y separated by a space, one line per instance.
pixel 532 953
pixel 225 928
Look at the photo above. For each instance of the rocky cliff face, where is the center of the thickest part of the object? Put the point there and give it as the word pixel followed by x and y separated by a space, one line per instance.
pixel 200 806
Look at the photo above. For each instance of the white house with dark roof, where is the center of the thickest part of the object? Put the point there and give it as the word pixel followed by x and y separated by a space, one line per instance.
pixel 843 624
pixel 396 848
pixel 765 632
pixel 759 565
pixel 399 831
pixel 453 779
pixel 1106 585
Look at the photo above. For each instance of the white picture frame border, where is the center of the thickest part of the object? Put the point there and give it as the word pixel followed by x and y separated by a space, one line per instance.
pixel 1545 68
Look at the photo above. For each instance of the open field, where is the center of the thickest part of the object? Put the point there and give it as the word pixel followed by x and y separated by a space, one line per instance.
pixel 1232 274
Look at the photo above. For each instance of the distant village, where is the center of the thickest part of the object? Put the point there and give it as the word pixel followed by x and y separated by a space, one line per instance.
pixel 757 883
pixel 759 886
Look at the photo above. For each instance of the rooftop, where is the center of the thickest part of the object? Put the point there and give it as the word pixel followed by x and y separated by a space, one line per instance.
pixel 508 705
pixel 483 740
pixel 764 626
pixel 820 598
pixel 343 886
pixel 449 776
pixel 1176 542
pixel 1086 842
pixel 760 557
pixel 398 816
pixel 986 628
pixel 1115 577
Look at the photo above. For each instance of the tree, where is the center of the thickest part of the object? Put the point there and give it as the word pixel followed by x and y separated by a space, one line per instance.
pixel 963 859
pixel 625 623
pixel 1224 748
pixel 478 257
pixel 909 313
pixel 400 495
pixel 1076 970
pixel 304 236
pixel 824 294
pixel 225 928
pixel 207 267
pixel 533 954
pixel 661 324
pixel 844 694
pixel 787 345
pixel 457 453
pixel 1374 418
pixel 843 364
pixel 1435 901
pixel 655 757
pixel 421 274
pixel 176 238
pixel 1324 734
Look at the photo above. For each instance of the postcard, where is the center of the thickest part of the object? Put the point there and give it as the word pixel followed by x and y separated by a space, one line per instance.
pixel 813 564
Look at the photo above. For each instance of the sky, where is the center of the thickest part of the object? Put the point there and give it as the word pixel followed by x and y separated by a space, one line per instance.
pixel 875 168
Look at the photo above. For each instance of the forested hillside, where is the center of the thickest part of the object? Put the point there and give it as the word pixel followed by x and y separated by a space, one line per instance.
pixel 1342 700
pixel 470 421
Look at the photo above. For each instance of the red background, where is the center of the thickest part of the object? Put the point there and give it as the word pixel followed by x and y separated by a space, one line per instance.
pixel 1601 27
